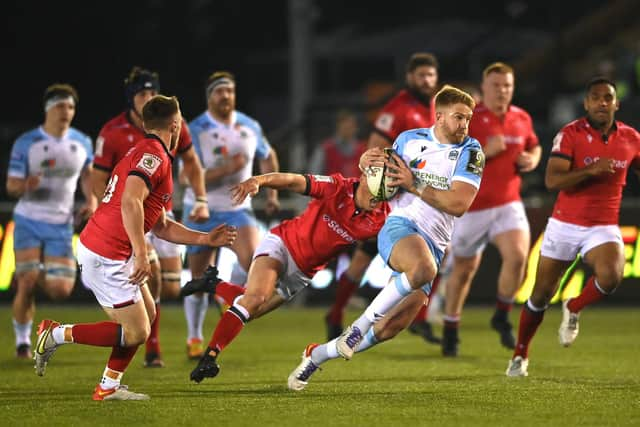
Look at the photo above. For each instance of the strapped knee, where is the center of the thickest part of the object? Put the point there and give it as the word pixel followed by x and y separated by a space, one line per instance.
pixel 171 276
pixel 57 270
pixel 27 266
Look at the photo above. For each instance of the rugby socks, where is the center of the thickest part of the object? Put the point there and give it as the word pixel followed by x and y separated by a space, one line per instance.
pixel 152 346
pixel 368 341
pixel 230 325
pixel 195 309
pixel 591 293
pixel 451 322
pixel 324 352
pixel 530 318
pixel 101 334
pixel 22 331
pixel 397 288
pixel 345 288
pixel 228 291
pixel 117 364
pixel 503 307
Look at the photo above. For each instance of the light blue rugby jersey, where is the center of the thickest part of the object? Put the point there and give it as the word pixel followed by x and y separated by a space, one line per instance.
pixel 437 165
pixel 215 142
pixel 59 162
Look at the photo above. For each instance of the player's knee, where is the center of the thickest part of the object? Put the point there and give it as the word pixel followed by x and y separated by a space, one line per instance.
pixel 251 302
pixel 59 279
pixel 423 272
pixel 27 273
pixel 609 279
pixel 136 336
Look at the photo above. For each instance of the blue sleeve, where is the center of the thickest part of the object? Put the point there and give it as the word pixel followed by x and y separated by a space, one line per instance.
pixel 263 148
pixel 400 143
pixel 19 160
pixel 86 143
pixel 470 164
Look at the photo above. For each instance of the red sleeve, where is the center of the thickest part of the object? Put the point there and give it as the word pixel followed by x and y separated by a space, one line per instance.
pixel 321 186
pixel 148 166
pixel 104 156
pixel 563 144
pixel 184 143
pixel 390 122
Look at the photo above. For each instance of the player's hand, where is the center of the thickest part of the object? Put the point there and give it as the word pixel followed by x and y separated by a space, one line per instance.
pixel 141 270
pixel 602 166
pixel 525 162
pixel 31 183
pixel 495 145
pixel 399 172
pixel 222 235
pixel 199 212
pixel 86 210
pixel 272 206
pixel 372 157
pixel 239 192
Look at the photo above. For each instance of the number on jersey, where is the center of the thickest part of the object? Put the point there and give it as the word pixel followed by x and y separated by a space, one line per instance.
pixel 111 187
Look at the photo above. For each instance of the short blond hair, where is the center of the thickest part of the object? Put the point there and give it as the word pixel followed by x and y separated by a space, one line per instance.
pixel 450 95
pixel 497 67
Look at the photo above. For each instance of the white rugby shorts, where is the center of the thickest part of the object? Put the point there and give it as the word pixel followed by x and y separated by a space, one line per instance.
pixel 473 230
pixel 563 241
pixel 108 278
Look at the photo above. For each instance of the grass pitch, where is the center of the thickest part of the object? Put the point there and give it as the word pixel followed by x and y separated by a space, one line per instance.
pixel 404 382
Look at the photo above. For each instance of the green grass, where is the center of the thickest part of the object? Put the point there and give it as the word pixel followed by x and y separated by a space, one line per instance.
pixel 403 382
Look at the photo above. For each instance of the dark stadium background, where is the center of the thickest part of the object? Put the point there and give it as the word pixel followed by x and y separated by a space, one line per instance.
pixel 347 51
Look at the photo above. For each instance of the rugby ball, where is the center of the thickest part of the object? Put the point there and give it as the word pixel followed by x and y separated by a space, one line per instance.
pixel 377 181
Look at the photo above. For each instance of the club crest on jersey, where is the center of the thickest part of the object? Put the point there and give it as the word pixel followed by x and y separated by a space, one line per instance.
pixel 384 122
pixel 149 163
pixel 453 154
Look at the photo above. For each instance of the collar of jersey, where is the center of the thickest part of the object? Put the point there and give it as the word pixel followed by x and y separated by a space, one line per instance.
pixel 234 119
pixel 157 138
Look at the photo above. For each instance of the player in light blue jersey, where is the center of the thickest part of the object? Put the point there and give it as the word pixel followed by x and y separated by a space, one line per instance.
pixel 227 142
pixel 44 169
pixel 440 169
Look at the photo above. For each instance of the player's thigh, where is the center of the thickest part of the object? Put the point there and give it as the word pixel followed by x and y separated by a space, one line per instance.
pixel 27 266
pixel 471 233
pixel 171 274
pixel 412 255
pixel 262 276
pixel 463 270
pixel 245 244
pixel 513 245
pixel 134 319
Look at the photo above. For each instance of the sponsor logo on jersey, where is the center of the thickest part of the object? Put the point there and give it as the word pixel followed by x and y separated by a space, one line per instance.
pixel 337 228
pixel 220 150
pixel 557 141
pixel 417 163
pixel 149 163
pixel 322 178
pixel 48 163
pixel 617 164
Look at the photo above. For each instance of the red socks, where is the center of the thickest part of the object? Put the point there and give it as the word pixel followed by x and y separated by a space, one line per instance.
pixel 121 357
pixel 529 322
pixel 228 291
pixel 344 290
pixel 102 334
pixel 229 326
pixel 590 294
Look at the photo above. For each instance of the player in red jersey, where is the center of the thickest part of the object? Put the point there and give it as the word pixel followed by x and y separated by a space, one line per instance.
pixel 497 214
pixel 112 254
pixel 411 108
pixel 342 212
pixel 116 138
pixel 589 161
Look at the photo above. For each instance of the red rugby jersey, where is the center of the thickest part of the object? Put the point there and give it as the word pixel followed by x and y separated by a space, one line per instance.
pixel 500 178
pixel 595 201
pixel 329 224
pixel 403 112
pixel 149 160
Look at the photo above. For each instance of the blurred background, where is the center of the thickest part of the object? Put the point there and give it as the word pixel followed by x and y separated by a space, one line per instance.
pixel 297 62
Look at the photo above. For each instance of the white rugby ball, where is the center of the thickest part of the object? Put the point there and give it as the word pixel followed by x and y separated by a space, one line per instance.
pixel 377 181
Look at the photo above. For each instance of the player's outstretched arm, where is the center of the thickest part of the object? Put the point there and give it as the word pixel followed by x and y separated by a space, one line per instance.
pixel 172 231
pixel 276 180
